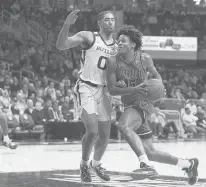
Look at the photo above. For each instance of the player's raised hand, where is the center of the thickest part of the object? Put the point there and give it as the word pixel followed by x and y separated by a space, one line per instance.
pixel 72 17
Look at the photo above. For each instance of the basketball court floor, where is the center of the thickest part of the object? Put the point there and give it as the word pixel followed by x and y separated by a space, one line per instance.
pixel 49 165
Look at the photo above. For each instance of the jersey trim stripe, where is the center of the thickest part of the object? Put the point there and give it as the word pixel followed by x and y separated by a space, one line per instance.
pixel 105 42
pixel 141 62
pixel 78 94
pixel 82 59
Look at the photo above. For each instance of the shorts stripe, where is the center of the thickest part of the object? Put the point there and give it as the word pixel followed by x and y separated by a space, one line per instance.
pixel 145 133
pixel 78 94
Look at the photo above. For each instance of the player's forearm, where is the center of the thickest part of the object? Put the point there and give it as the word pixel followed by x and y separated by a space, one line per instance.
pixel 62 38
pixel 121 91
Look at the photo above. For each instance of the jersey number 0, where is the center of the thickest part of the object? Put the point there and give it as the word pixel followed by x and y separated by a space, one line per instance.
pixel 102 63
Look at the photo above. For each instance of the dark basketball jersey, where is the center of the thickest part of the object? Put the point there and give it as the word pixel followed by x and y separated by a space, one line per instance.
pixel 132 74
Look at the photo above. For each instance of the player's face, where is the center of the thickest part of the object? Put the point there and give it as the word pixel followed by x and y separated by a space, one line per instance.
pixel 125 44
pixel 108 23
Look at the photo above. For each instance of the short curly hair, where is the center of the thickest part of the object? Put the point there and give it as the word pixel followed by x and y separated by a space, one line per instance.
pixel 134 34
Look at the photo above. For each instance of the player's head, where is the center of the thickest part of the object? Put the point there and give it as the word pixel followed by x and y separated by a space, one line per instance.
pixel 129 38
pixel 106 21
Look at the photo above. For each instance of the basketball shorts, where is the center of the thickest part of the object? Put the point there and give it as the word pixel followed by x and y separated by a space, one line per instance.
pixel 95 99
pixel 144 108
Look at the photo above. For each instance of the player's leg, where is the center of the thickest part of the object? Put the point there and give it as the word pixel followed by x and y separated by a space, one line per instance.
pixel 89 138
pixel 104 126
pixel 88 105
pixel 129 122
pixel 4 126
pixel 189 165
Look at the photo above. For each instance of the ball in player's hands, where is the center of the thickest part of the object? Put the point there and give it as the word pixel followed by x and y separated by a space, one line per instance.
pixel 121 84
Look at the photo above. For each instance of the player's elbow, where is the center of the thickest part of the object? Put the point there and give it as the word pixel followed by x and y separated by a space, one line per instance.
pixel 59 46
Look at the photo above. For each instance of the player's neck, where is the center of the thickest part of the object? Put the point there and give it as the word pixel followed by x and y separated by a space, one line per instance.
pixel 106 36
pixel 129 56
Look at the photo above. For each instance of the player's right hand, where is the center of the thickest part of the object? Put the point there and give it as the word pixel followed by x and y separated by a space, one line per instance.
pixel 72 17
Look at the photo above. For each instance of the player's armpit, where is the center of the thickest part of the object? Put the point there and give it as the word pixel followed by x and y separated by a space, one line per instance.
pixel 150 67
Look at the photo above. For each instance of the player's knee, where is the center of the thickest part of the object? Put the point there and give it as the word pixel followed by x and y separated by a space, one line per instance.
pixel 3 120
pixel 92 134
pixel 124 129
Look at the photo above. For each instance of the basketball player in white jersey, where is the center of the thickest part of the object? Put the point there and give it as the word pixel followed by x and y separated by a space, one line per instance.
pixel 93 97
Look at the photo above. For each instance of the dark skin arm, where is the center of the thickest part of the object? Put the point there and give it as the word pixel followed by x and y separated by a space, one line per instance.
pixel 150 67
pixel 83 38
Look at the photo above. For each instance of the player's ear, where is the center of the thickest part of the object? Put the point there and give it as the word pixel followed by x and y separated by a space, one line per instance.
pixel 99 24
pixel 133 45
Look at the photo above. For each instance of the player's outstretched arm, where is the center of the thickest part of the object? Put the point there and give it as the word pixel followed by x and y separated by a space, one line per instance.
pixel 81 38
pixel 112 82
pixel 151 68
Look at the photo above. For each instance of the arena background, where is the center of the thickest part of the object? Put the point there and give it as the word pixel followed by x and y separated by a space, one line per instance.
pixel 37 80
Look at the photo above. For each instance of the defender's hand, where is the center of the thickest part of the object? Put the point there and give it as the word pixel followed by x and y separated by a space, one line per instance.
pixel 72 17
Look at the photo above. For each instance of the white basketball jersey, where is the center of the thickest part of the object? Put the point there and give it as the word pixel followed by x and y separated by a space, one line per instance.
pixel 93 60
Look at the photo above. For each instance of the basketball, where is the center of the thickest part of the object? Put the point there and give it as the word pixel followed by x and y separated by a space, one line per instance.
pixel 155 90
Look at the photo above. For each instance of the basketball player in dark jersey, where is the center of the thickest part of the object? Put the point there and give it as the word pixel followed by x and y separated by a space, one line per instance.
pixel 126 73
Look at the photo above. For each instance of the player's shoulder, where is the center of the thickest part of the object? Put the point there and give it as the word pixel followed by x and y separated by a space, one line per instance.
pixel 88 36
pixel 145 56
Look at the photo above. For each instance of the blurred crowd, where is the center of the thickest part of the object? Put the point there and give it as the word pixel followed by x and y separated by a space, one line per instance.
pixel 38 77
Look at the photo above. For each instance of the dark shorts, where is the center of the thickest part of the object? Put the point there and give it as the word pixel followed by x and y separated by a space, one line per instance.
pixel 144 130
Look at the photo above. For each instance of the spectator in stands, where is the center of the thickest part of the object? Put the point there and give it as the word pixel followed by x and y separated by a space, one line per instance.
pixel 50 91
pixel 190 122
pixel 191 105
pixel 15 87
pixel 39 95
pixel 55 112
pixel 178 94
pixel 20 104
pixel 25 91
pixel 6 84
pixel 38 115
pixel 46 108
pixel 156 123
pixel 30 107
pixel 66 109
pixel 201 115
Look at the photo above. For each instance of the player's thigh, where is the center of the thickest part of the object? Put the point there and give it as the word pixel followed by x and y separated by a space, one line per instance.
pixel 104 109
pixel 90 121
pixel 88 106
pixel 104 116
pixel 3 119
pixel 130 118
pixel 144 131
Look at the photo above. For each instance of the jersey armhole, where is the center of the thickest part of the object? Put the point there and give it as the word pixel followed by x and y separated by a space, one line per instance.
pixel 141 62
pixel 90 46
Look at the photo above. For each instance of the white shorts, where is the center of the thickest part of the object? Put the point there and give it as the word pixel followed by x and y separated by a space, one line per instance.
pixel 95 100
